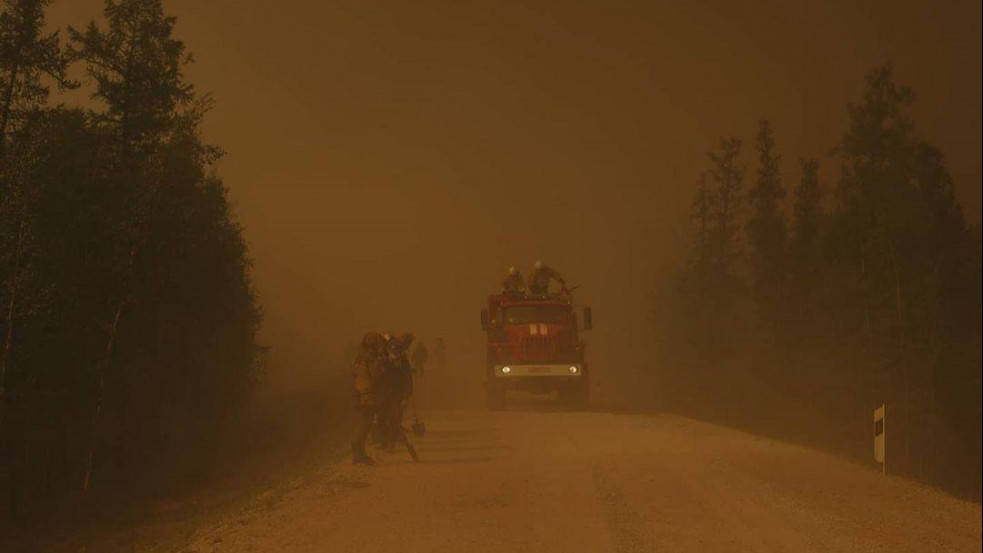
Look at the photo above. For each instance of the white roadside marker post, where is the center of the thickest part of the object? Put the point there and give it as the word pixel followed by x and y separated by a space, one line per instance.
pixel 879 448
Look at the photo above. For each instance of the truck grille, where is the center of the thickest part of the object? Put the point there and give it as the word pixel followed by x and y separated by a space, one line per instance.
pixel 539 348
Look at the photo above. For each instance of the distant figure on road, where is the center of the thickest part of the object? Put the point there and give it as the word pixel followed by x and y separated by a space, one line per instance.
pixel 513 284
pixel 419 357
pixel 440 353
pixel 368 378
pixel 539 279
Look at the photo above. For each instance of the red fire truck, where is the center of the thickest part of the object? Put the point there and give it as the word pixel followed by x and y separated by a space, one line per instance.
pixel 534 345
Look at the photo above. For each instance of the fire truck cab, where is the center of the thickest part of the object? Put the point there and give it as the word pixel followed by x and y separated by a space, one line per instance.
pixel 534 345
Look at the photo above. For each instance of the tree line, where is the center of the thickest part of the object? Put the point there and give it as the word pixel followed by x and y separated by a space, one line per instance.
pixel 127 317
pixel 838 297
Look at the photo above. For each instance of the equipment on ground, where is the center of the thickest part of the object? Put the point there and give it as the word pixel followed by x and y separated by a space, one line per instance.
pixel 411 449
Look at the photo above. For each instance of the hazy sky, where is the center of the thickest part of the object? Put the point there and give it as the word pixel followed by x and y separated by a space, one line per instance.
pixel 390 159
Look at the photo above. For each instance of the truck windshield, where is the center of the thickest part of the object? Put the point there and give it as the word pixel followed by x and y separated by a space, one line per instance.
pixel 523 314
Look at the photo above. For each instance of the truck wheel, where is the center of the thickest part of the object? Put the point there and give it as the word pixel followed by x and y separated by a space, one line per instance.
pixel 495 398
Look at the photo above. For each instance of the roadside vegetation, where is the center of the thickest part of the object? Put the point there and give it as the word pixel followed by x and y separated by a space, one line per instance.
pixel 127 317
pixel 815 302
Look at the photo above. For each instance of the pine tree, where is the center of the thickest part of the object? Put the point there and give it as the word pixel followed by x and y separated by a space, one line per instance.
pixel 728 175
pixel 803 260
pixel 135 311
pixel 178 214
pixel 700 213
pixel 137 66
pixel 766 229
pixel 884 289
pixel 807 211
pixel 26 55
pixel 900 216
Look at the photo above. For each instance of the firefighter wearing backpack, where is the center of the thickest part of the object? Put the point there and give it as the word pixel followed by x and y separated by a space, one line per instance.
pixel 368 376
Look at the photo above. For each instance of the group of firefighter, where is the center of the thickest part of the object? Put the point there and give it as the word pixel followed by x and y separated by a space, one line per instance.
pixel 383 379
pixel 538 283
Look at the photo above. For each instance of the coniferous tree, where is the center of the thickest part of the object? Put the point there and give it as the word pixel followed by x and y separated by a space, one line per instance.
pixel 700 213
pixel 728 175
pixel 60 286
pixel 136 317
pixel 137 67
pixel 895 200
pixel 766 229
pixel 26 55
pixel 883 290
pixel 717 288
pixel 803 262
pixel 183 279
pixel 807 211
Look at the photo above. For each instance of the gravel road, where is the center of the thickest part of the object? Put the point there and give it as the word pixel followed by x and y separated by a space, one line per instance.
pixel 543 481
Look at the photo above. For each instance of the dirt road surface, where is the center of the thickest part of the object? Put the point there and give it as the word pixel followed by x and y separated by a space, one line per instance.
pixel 535 481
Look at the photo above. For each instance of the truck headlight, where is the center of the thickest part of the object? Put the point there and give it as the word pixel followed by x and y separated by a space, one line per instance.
pixel 574 369
pixel 506 370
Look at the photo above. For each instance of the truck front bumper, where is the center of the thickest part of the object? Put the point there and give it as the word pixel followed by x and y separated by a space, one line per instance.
pixel 539 371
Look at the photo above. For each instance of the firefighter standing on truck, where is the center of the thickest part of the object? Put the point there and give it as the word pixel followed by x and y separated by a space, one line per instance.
pixel 368 379
pixel 539 279
pixel 513 284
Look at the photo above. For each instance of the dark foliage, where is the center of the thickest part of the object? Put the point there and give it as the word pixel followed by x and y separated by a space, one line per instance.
pixel 875 301
pixel 128 329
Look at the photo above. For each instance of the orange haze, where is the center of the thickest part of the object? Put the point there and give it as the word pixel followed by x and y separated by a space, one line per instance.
pixel 390 159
